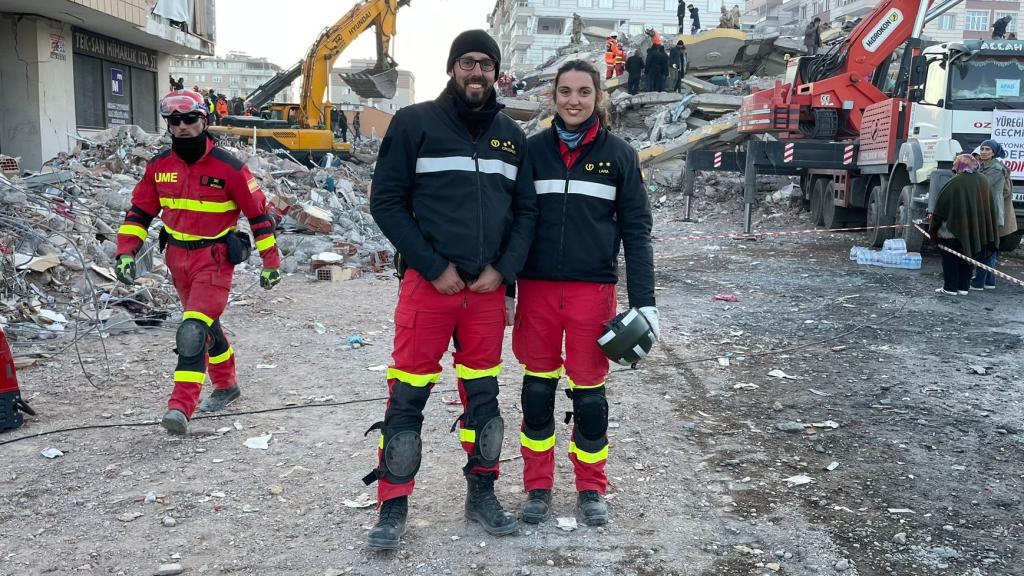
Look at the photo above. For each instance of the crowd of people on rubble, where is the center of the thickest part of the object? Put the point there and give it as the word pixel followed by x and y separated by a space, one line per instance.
pixel 509 85
pixel 660 70
pixel 218 104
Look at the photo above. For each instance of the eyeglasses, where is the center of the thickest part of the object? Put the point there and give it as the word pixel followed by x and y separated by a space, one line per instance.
pixel 187 120
pixel 486 65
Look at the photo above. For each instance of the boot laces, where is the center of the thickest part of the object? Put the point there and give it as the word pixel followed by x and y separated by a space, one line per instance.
pixel 539 494
pixel 392 511
pixel 587 496
pixel 485 497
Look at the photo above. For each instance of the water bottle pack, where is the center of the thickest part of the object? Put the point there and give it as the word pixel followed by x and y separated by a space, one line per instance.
pixel 892 255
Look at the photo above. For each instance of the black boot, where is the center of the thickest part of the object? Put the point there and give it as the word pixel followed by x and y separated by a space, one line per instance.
pixel 592 507
pixel 537 507
pixel 483 506
pixel 391 524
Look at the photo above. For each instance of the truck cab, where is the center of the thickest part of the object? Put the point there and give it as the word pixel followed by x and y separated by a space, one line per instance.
pixel 962 88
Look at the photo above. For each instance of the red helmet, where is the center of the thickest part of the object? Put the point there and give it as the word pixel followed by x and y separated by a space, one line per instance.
pixel 181 102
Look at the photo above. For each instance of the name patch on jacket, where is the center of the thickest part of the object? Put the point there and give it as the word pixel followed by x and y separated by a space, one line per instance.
pixel 216 183
pixel 162 177
pixel 504 146
pixel 598 167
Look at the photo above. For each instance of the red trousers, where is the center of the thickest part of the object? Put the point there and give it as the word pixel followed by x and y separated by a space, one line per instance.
pixel 202 279
pixel 425 323
pixel 544 313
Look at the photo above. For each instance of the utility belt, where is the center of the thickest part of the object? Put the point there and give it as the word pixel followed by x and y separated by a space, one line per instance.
pixel 239 244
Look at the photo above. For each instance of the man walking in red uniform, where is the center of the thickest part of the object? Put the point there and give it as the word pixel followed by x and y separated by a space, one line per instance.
pixel 452 193
pixel 198 190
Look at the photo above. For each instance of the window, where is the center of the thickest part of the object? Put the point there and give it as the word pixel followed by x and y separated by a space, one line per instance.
pixel 934 84
pixel 671 5
pixel 606 4
pixel 1012 26
pixel 670 29
pixel 977 20
pixel 714 7
pixel 636 29
pixel 551 3
pixel 947 22
pixel 586 3
pixel 636 4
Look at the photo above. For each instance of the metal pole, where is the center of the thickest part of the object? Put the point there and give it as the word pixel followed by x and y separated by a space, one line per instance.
pixel 750 184
pixel 689 181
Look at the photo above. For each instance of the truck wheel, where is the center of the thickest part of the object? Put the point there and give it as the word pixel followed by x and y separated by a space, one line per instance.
pixel 1010 242
pixel 905 216
pixel 876 217
pixel 818 200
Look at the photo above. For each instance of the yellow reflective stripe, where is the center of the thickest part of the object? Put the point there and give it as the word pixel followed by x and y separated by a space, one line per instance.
pixel 222 358
pixel 193 315
pixel 574 386
pixel 537 445
pixel 467 435
pixel 133 230
pixel 556 374
pixel 417 380
pixel 380 443
pixel 192 237
pixel 198 205
pixel 588 457
pixel 267 242
pixel 189 376
pixel 470 373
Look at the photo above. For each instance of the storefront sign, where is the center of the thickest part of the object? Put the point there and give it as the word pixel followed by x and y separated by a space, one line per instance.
pixel 117 82
pixel 110 49
pixel 118 114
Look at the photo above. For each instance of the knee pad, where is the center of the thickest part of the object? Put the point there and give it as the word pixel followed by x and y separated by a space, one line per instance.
pixel 538 401
pixel 191 338
pixel 401 455
pixel 483 417
pixel 591 413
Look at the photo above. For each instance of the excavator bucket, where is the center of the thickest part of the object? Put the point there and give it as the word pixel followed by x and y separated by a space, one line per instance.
pixel 377 82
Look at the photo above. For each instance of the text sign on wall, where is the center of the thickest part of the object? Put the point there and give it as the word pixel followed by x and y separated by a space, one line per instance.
pixel 93 44
pixel 117 82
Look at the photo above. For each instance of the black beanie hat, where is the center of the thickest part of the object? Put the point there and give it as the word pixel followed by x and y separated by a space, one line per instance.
pixel 474 41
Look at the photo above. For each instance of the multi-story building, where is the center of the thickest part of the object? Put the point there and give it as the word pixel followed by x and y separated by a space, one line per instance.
pixel 342 95
pixel 530 31
pixel 968 20
pixel 235 75
pixel 761 16
pixel 77 66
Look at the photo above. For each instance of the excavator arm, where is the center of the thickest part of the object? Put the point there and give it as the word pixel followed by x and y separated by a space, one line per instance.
pixel 316 68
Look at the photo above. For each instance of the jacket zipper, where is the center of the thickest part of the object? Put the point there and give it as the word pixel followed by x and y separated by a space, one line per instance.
pixel 479 210
pixel 561 237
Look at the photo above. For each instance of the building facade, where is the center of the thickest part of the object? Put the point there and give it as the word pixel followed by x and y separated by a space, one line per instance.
pixel 342 95
pixel 235 75
pixel 969 20
pixel 530 31
pixel 72 67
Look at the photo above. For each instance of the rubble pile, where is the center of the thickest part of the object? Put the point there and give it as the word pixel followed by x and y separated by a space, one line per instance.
pixel 58 232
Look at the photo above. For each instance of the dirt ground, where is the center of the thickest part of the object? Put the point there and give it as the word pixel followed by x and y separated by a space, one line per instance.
pixel 911 458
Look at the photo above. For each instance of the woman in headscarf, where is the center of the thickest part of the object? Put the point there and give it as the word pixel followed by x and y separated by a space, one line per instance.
pixel 964 221
pixel 998 176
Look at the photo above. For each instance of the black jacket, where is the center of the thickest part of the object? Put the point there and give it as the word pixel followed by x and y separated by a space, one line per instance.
pixel 586 213
pixel 657 62
pixel 634 66
pixel 440 197
pixel 681 12
pixel 695 14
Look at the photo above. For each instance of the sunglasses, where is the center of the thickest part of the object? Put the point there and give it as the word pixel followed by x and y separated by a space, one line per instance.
pixel 467 64
pixel 186 120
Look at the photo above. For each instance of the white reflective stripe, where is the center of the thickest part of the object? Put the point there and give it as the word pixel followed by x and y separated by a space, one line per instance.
pixel 594 189
pixel 549 186
pixel 640 352
pixel 629 317
pixel 465 164
pixel 427 165
pixel 606 338
pixel 507 170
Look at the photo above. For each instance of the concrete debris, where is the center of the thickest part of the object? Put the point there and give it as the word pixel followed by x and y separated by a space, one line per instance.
pixel 58 232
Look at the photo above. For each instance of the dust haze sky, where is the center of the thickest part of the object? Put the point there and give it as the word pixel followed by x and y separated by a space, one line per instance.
pixel 283 31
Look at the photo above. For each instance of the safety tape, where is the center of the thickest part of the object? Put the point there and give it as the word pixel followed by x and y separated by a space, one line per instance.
pixel 743 236
pixel 974 262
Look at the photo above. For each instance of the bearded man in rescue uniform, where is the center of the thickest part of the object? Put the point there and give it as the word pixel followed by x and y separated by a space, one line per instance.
pixel 453 193
pixel 198 190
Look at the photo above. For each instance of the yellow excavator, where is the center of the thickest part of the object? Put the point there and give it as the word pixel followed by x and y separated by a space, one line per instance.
pixel 303 131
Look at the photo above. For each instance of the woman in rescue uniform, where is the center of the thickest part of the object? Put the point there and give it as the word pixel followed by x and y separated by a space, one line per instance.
pixel 591 200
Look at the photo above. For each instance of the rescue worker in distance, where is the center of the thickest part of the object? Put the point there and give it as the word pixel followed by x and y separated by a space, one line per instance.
pixel 198 190
pixel 453 193
pixel 590 194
